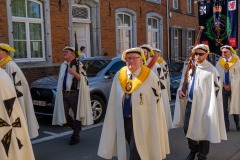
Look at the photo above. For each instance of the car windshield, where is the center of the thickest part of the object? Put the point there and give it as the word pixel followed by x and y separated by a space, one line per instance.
pixel 94 66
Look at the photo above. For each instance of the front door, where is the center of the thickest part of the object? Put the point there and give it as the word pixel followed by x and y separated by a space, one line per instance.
pixel 83 36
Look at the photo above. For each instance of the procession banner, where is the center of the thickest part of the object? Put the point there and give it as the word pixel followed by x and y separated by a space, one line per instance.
pixel 220 20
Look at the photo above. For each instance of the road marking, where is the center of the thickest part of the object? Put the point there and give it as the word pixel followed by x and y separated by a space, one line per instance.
pixel 54 135
pixel 51 133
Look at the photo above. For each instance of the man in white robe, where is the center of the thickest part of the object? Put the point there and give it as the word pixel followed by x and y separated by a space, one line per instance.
pixel 164 66
pixel 203 118
pixel 21 87
pixel 134 114
pixel 15 141
pixel 228 67
pixel 72 103
pixel 158 70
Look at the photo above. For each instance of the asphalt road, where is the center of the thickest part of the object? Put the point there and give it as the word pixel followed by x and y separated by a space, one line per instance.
pixel 52 144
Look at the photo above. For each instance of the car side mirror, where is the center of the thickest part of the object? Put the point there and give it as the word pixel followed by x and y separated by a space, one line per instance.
pixel 110 74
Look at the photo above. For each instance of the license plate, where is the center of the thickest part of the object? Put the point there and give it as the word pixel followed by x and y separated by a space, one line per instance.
pixel 39 103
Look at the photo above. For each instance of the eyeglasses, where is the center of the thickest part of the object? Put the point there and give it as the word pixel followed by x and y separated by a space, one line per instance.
pixel 131 58
pixel 199 54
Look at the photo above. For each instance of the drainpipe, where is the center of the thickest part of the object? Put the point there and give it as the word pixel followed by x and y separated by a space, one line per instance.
pixel 168 45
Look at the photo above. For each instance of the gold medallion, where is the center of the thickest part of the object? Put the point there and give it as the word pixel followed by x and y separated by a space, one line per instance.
pixel 128 86
pixel 226 66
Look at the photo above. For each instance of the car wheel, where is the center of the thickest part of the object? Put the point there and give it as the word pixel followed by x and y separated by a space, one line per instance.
pixel 98 108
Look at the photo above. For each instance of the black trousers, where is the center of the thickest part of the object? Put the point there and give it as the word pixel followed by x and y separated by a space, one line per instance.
pixel 70 100
pixel 226 96
pixel 128 125
pixel 200 147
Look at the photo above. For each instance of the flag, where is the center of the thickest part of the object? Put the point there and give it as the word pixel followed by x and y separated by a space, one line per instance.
pixel 220 20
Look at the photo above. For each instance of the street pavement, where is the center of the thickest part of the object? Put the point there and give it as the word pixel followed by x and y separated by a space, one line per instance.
pixel 56 147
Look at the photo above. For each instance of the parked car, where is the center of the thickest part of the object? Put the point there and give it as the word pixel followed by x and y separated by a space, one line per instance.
pixel 175 71
pixel 100 72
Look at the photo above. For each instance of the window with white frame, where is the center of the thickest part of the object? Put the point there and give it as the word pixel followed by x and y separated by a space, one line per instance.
pixel 28 30
pixel 124 31
pixel 153 32
pixel 176 44
pixel 189 6
pixel 175 4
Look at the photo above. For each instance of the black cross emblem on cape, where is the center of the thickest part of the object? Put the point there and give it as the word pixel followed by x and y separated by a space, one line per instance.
pixel 161 79
pixel 217 88
pixel 19 94
pixel 6 141
pixel 165 71
pixel 158 96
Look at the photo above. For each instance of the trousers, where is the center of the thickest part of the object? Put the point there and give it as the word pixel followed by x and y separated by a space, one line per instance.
pixel 200 147
pixel 70 100
pixel 128 125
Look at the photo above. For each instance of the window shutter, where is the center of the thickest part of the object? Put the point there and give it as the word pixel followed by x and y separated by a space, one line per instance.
pixel 171 43
pixel 184 43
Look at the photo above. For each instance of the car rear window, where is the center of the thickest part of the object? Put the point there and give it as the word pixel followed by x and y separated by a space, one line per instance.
pixel 93 67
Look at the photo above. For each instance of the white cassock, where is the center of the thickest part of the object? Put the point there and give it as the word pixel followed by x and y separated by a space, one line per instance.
pixel 15 141
pixel 158 70
pixel 207 119
pixel 164 66
pixel 24 97
pixel 84 109
pixel 149 125
pixel 234 75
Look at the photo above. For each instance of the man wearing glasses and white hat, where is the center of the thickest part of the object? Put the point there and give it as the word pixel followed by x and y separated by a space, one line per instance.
pixel 203 115
pixel 134 113
pixel 228 67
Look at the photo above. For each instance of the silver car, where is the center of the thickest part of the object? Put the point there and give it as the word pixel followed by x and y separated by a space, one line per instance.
pixel 100 72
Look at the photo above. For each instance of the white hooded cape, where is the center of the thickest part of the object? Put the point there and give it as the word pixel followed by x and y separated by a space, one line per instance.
pixel 234 72
pixel 207 119
pixel 158 70
pixel 24 97
pixel 149 125
pixel 84 111
pixel 15 141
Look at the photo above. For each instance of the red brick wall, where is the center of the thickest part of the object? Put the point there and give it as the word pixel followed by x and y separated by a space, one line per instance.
pixel 142 7
pixel 59 28
pixel 3 23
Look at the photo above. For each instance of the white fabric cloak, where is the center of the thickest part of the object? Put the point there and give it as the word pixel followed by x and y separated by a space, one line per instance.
pixel 234 73
pixel 84 111
pixel 158 70
pixel 164 66
pixel 149 125
pixel 15 141
pixel 207 119
pixel 24 97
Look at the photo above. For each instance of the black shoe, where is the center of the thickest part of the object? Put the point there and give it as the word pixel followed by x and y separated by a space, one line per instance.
pixel 74 140
pixel 191 156
pixel 238 127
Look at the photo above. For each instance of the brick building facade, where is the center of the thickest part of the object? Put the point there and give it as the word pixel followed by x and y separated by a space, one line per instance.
pixel 44 27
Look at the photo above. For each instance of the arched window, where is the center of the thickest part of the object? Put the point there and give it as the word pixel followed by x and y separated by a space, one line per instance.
pixel 153 32
pixel 124 31
pixel 28 30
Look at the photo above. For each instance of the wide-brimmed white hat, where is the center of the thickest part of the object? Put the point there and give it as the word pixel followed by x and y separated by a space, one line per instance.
pixel 134 50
